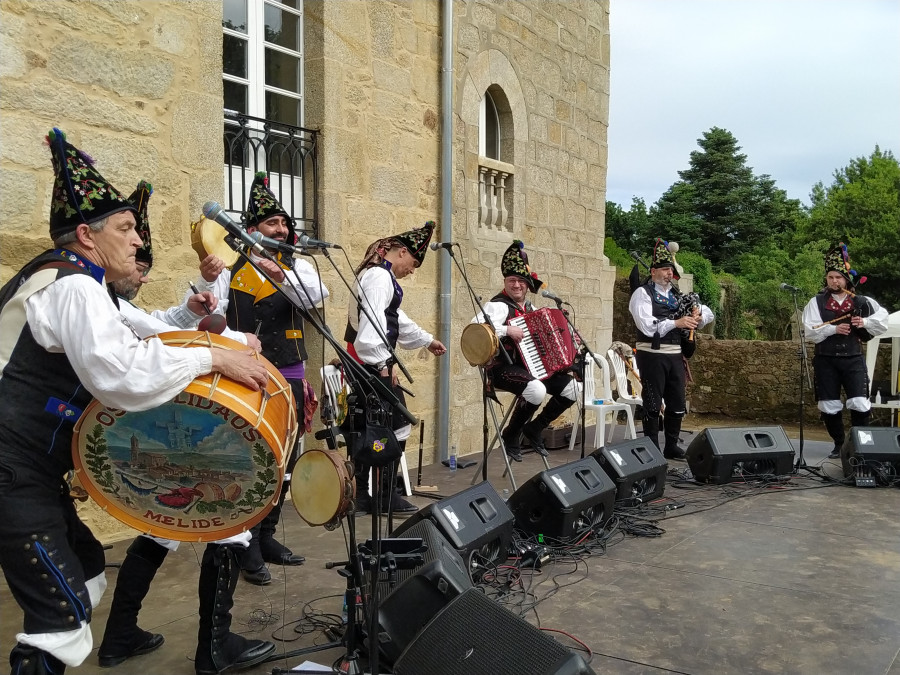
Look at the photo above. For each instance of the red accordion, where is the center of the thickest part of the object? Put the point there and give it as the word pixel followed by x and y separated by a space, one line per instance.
pixel 548 346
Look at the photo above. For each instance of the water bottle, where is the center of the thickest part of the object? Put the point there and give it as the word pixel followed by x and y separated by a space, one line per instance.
pixel 453 458
pixel 344 610
pixel 878 397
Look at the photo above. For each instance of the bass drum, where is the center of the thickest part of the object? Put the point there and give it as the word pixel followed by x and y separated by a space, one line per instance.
pixel 205 466
pixel 208 238
pixel 322 487
pixel 479 344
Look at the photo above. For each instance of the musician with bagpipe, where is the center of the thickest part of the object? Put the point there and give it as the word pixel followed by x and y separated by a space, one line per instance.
pixel 666 320
pixel 515 377
pixel 839 321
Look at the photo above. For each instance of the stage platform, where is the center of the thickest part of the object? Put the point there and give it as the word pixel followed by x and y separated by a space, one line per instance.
pixel 794 577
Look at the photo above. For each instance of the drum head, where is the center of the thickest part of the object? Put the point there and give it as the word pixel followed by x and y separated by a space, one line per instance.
pixel 208 238
pixel 478 343
pixel 321 487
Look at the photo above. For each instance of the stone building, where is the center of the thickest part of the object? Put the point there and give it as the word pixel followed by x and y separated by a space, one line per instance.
pixel 141 86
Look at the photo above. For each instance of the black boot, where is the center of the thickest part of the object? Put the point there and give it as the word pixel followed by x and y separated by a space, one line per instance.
pixel 218 649
pixel 122 638
pixel 28 660
pixel 363 498
pixel 651 428
pixel 512 435
pixel 860 419
pixel 834 425
pixel 273 551
pixel 534 430
pixel 253 567
pixel 672 432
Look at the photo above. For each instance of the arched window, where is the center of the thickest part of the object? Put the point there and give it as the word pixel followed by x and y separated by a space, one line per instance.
pixel 488 128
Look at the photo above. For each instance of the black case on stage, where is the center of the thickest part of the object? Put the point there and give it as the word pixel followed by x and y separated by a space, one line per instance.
pixel 872 444
pixel 563 502
pixel 637 467
pixel 724 455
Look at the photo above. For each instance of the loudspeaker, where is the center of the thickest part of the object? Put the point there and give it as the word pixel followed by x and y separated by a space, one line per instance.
pixel 872 451
pixel 420 593
pixel 723 455
pixel 476 636
pixel 637 467
pixel 563 502
pixel 474 521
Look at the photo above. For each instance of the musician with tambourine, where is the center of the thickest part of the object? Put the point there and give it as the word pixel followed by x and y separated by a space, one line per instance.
pixel 510 303
pixel 838 321
pixel 665 320
pixel 66 343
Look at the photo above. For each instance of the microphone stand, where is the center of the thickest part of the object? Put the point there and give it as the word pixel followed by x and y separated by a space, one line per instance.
pixel 804 367
pixel 476 301
pixel 585 352
pixel 364 380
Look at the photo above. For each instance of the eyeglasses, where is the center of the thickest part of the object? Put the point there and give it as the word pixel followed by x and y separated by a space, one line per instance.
pixel 516 280
pixel 144 270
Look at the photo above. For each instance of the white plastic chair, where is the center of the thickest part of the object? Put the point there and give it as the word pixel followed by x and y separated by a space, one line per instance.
pixel 608 407
pixel 333 381
pixel 621 371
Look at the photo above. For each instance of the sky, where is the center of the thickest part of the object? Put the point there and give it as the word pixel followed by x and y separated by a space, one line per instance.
pixel 805 86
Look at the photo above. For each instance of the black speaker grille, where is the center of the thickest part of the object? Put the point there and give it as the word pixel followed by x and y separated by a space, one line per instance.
pixel 474 635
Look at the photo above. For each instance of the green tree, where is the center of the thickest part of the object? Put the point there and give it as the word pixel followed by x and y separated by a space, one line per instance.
pixel 719 207
pixel 629 228
pixel 862 208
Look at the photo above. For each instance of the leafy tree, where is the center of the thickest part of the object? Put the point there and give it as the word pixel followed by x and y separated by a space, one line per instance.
pixel 629 228
pixel 862 208
pixel 719 206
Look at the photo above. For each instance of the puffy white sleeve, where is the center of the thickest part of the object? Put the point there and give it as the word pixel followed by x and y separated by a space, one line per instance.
pixel 375 289
pixel 877 321
pixel 74 315
pixel 411 336
pixel 497 313
pixel 307 287
pixel 812 323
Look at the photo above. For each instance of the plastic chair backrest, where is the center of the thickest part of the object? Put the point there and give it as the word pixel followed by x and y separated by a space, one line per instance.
pixel 605 389
pixel 618 364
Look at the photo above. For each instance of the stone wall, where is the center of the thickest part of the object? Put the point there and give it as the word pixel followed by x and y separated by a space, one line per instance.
pixel 135 84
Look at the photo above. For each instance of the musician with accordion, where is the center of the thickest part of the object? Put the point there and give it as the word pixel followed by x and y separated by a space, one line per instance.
pixel 839 321
pixel 662 318
pixel 516 377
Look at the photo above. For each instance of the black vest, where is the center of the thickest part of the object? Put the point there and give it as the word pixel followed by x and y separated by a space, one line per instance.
pixel 512 311
pixel 41 394
pixel 280 323
pixel 843 345
pixel 391 315
pixel 663 308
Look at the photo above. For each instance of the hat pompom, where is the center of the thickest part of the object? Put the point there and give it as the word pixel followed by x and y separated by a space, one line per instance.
pixel 673 246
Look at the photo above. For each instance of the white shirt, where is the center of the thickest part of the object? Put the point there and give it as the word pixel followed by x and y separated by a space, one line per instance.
pixel 375 289
pixel 876 323
pixel 163 321
pixel 75 315
pixel 641 308
pixel 497 313
pixel 303 276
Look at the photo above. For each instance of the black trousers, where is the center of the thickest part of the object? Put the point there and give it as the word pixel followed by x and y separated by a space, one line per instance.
pixel 662 378
pixel 834 372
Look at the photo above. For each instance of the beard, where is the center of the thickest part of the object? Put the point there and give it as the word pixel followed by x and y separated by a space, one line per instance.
pixel 126 289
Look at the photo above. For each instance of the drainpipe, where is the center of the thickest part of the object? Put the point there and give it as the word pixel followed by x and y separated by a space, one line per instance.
pixel 446 229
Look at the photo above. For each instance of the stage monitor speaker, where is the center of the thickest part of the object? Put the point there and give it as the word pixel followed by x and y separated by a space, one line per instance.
pixel 873 451
pixel 564 502
pixel 637 467
pixel 476 522
pixel 477 636
pixel 725 455
pixel 420 593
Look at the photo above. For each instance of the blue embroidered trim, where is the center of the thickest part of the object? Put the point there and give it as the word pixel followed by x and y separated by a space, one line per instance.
pixel 95 271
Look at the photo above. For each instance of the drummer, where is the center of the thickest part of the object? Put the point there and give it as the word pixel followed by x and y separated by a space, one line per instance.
pixel 511 302
pixel 66 343
pixel 251 303
pixel 123 638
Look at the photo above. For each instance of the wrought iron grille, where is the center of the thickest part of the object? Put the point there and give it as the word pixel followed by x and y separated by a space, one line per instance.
pixel 287 153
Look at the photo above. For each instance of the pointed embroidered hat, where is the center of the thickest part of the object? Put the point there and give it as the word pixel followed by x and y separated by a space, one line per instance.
pixel 416 240
pixel 139 198
pixel 263 204
pixel 664 256
pixel 515 263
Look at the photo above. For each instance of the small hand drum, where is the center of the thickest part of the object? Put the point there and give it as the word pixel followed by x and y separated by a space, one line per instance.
pixel 322 487
pixel 208 238
pixel 479 344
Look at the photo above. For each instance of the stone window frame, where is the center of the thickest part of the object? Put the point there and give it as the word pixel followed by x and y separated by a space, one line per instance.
pixel 491 72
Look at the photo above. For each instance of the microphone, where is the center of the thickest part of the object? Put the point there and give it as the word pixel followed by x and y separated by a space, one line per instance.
pixel 435 245
pixel 555 298
pixel 213 211
pixel 274 244
pixel 307 242
pixel 788 287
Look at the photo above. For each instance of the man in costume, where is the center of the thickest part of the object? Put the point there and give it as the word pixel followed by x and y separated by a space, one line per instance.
pixel 386 262
pixel 123 638
pixel 654 307
pixel 839 321
pixel 64 343
pixel 253 304
pixel 511 302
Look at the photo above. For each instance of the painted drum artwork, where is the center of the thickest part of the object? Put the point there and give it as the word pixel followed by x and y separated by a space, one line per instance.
pixel 204 466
